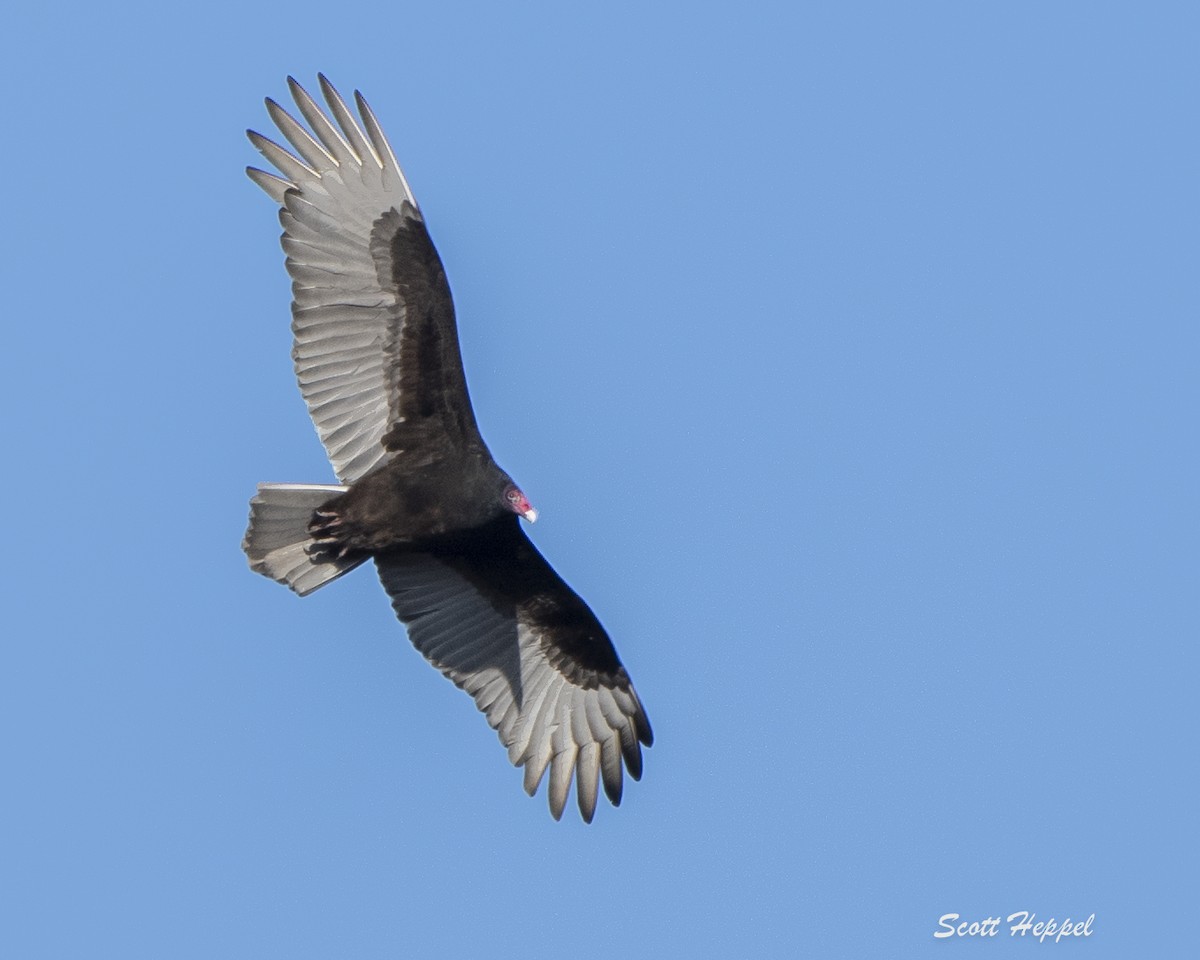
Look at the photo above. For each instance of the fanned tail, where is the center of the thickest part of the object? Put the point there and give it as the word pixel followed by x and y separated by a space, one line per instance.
pixel 277 538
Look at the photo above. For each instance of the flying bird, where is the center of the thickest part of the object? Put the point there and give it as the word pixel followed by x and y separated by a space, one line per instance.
pixel 377 357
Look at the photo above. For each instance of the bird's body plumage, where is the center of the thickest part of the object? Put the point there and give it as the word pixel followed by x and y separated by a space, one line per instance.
pixel 377 358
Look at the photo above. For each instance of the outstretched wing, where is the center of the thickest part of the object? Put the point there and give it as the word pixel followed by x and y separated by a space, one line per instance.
pixel 376 346
pixel 489 612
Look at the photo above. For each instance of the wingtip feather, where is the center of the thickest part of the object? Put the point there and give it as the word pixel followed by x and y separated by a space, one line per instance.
pixel 275 187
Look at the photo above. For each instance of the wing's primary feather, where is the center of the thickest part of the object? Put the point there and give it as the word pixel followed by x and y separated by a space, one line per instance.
pixel 376 348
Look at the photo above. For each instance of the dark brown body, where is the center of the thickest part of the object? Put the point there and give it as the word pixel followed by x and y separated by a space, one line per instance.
pixel 397 506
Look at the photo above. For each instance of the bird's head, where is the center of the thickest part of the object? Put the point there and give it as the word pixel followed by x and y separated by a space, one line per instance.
pixel 518 503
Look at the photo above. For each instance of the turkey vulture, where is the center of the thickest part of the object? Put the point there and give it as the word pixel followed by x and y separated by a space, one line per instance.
pixel 376 353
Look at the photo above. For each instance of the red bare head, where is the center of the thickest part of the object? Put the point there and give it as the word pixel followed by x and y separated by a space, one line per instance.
pixel 519 504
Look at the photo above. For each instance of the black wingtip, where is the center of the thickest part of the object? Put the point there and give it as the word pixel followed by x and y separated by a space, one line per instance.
pixel 645 734
pixel 633 760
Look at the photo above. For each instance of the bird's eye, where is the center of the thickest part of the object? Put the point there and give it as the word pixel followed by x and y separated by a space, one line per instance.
pixel 513 496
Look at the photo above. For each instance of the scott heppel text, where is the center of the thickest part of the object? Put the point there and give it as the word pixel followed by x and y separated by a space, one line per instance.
pixel 1020 924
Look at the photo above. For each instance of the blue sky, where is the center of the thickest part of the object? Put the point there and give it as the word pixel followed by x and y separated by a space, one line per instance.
pixel 849 354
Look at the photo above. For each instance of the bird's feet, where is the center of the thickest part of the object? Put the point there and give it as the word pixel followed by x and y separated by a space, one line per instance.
pixel 328 537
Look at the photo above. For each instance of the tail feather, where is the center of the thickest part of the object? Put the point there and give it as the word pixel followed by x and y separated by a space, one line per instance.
pixel 278 534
